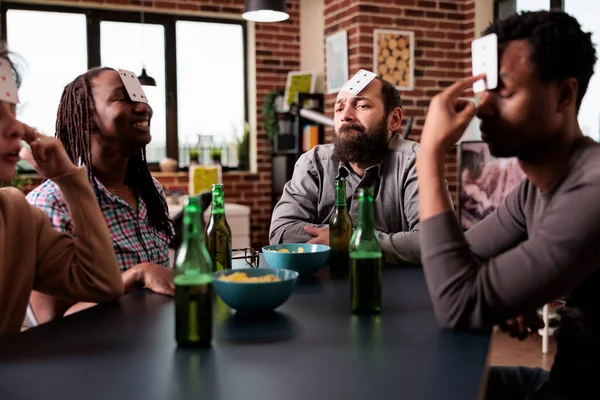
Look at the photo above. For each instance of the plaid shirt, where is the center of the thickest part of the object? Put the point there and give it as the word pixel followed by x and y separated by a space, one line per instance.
pixel 134 239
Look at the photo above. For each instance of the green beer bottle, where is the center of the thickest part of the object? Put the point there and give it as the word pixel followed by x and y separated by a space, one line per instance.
pixel 340 230
pixel 193 282
pixel 365 260
pixel 218 232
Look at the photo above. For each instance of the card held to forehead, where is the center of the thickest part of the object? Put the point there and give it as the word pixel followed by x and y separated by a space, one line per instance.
pixel 133 86
pixel 8 84
pixel 484 53
pixel 358 82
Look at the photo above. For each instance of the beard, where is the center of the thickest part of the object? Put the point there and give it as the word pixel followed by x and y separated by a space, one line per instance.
pixel 354 143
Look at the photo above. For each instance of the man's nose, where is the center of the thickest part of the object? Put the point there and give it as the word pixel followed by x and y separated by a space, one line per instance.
pixel 347 116
pixel 487 106
pixel 142 108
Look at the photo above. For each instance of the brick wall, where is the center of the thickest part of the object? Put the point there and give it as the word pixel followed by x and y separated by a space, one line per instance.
pixel 277 52
pixel 443 32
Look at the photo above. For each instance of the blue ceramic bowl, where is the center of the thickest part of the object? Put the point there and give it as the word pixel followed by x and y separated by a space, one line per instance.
pixel 255 297
pixel 310 260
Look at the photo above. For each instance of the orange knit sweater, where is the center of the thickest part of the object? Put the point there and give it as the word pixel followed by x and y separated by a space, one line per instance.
pixel 35 256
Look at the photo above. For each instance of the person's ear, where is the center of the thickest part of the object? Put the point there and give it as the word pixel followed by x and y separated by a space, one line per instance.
pixel 567 94
pixel 395 119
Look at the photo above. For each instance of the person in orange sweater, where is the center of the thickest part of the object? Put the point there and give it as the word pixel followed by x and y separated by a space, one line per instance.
pixel 33 255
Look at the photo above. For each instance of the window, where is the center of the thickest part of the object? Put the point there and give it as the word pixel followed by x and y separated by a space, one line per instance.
pixel 43 77
pixel 587 12
pixel 532 5
pixel 504 8
pixel 199 65
pixel 211 95
pixel 144 47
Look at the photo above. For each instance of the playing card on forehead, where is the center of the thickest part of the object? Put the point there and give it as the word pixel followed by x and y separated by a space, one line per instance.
pixel 8 85
pixel 133 86
pixel 484 54
pixel 358 82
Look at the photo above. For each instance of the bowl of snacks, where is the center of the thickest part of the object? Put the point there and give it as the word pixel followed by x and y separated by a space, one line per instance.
pixel 254 289
pixel 304 258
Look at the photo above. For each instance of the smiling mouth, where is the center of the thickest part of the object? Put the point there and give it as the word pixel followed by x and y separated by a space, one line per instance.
pixel 141 124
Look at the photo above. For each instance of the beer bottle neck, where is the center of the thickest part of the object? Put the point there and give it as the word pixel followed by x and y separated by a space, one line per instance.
pixel 340 196
pixel 218 204
pixel 192 227
pixel 366 219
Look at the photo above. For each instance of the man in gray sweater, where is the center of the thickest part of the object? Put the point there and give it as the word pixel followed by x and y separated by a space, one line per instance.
pixel 543 242
pixel 369 153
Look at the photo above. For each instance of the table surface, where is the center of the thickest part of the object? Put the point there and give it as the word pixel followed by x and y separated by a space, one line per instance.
pixel 310 348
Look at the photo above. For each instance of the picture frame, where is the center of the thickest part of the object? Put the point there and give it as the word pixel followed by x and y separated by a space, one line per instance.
pixel 394 57
pixel 484 181
pixel 297 82
pixel 336 53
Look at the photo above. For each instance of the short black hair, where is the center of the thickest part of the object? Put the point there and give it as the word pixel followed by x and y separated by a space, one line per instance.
pixel 561 49
pixel 390 96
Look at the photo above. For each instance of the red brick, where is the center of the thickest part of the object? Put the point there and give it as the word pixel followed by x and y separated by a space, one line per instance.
pixel 187 7
pixel 413 13
pixel 435 34
pixel 426 4
pixel 449 25
pixel 209 8
pixel 448 6
pixel 434 54
pixel 446 45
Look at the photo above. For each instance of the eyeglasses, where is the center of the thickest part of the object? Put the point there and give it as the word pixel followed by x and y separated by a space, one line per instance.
pixel 248 254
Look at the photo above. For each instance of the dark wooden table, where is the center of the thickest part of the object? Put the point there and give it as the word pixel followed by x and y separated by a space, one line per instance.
pixel 311 348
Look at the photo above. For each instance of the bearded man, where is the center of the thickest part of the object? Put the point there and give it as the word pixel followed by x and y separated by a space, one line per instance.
pixel 368 152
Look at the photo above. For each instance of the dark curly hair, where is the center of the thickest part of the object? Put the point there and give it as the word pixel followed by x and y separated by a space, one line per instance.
pixel 561 49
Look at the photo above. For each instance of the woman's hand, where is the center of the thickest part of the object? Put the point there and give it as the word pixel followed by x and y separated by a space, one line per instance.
pixel 47 154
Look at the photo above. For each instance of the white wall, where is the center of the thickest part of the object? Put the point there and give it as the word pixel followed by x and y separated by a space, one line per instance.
pixel 312 42
pixel 484 15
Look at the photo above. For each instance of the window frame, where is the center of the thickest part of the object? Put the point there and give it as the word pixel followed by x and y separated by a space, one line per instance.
pixel 554 5
pixel 95 16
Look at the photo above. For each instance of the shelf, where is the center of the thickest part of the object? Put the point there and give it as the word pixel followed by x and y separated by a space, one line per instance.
pixel 285 153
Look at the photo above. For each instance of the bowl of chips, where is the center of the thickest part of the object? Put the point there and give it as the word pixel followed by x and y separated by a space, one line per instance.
pixel 304 258
pixel 254 289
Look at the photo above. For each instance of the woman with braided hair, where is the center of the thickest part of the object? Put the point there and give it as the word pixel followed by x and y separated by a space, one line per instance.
pixel 105 131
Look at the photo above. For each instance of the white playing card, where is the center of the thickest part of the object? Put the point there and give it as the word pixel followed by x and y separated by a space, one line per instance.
pixel 8 85
pixel 358 82
pixel 484 54
pixel 133 86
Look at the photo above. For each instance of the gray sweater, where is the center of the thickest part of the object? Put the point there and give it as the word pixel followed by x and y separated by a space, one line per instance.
pixel 536 247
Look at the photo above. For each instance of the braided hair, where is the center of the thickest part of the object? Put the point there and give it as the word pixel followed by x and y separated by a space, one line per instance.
pixel 73 128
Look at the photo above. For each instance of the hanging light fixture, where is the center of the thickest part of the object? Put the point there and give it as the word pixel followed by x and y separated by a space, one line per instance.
pixel 144 78
pixel 265 11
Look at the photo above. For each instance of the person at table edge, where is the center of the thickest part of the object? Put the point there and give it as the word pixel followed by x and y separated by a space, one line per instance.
pixel 542 243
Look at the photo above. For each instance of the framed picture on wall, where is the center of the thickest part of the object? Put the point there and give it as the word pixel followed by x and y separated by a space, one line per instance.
pixel 483 181
pixel 297 82
pixel 336 53
pixel 394 57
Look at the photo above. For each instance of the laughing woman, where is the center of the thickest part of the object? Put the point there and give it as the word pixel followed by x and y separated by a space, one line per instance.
pixel 105 131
